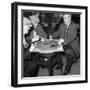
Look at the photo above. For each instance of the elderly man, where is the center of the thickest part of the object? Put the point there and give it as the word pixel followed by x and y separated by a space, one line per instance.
pixel 32 31
pixel 68 32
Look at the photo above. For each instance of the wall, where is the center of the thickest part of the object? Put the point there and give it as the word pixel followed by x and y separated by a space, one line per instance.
pixel 5 46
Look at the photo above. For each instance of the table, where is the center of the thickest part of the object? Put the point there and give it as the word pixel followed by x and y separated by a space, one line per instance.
pixel 49 55
pixel 46 47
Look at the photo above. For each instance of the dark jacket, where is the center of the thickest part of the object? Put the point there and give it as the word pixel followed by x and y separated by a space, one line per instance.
pixel 69 35
pixel 39 31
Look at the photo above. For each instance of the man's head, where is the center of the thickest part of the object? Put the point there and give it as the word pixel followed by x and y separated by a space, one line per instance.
pixel 26 25
pixel 67 18
pixel 34 19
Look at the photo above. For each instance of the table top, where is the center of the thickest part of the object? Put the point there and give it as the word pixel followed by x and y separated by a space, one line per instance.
pixel 48 46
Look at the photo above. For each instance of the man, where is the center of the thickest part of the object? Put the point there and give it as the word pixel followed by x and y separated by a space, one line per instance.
pixel 68 32
pixel 32 34
pixel 26 27
pixel 38 30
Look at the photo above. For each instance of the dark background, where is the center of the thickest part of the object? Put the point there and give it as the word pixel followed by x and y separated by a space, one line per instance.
pixel 52 19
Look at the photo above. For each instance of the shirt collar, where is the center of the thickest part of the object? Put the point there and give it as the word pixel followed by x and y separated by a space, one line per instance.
pixel 67 25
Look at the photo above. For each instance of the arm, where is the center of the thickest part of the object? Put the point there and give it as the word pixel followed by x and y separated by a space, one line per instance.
pixel 24 42
pixel 56 34
pixel 41 32
pixel 59 33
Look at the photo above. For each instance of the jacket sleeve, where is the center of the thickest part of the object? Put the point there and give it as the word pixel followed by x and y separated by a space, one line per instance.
pixel 59 33
pixel 40 31
pixel 28 38
pixel 72 35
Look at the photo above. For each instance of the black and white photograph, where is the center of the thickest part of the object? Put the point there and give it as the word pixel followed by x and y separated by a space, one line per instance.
pixel 48 37
pixel 49 44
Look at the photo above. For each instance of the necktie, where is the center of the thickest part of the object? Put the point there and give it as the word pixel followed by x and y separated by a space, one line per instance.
pixel 66 32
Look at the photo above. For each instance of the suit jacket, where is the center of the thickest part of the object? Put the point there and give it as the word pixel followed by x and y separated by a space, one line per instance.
pixel 39 31
pixel 69 35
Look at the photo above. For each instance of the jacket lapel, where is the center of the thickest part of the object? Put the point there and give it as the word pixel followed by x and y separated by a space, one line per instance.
pixel 67 30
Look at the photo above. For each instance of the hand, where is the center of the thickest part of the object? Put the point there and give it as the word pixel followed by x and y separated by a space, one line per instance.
pixel 60 41
pixel 50 37
pixel 42 39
